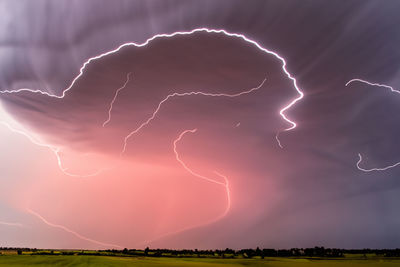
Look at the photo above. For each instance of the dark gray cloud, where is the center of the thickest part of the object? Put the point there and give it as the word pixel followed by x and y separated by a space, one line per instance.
pixel 310 193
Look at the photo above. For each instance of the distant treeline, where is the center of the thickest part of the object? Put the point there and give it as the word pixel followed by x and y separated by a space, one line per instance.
pixel 226 253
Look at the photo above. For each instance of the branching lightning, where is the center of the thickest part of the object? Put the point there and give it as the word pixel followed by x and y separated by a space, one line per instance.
pixel 359 154
pixel 182 95
pixel 107 245
pixel 115 98
pixel 56 150
pixel 165 35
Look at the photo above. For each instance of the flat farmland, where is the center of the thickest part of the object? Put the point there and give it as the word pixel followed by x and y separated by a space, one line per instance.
pixel 83 260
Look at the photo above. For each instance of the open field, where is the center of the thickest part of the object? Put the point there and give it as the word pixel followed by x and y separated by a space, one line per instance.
pixel 83 260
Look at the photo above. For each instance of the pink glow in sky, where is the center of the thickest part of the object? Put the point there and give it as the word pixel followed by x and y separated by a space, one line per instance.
pixel 151 186
pixel 199 124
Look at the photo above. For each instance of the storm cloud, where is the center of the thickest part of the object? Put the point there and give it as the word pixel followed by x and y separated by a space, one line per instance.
pixel 307 193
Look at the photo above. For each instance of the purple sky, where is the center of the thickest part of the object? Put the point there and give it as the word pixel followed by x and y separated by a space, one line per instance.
pixel 308 193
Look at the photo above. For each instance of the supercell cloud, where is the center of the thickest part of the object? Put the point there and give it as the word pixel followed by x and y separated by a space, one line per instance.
pixel 307 193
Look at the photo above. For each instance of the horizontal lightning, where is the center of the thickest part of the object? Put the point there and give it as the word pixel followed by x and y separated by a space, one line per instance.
pixel 182 95
pixel 373 169
pixel 359 154
pixel 165 35
pixel 107 245
pixel 56 150
pixel 115 98
pixel 16 224
pixel 373 84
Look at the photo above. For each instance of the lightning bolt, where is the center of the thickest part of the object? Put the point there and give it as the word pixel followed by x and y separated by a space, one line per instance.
pixel 115 98
pixel 107 245
pixel 373 84
pixel 278 141
pixel 359 154
pixel 55 150
pixel 225 184
pixel 373 169
pixel 11 224
pixel 165 35
pixel 182 95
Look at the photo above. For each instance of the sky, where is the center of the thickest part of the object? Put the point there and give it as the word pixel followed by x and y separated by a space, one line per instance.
pixel 199 124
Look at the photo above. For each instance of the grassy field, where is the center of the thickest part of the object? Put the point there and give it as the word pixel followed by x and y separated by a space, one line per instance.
pixel 82 260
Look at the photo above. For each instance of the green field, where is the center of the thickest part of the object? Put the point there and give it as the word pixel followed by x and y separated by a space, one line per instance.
pixel 82 260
